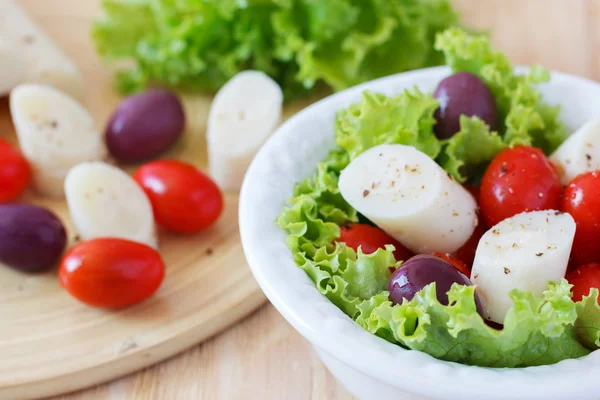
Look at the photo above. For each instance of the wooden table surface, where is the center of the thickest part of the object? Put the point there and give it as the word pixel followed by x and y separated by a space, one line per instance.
pixel 263 357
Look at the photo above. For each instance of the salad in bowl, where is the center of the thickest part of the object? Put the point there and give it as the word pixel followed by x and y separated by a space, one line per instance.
pixel 451 215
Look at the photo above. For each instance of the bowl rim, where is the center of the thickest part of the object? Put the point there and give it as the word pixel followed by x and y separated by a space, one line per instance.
pixel 328 328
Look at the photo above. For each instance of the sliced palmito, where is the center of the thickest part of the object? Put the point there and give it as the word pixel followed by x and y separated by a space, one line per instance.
pixel 55 133
pixel 579 153
pixel 243 115
pixel 409 196
pixel 11 66
pixel 106 202
pixel 43 61
pixel 523 252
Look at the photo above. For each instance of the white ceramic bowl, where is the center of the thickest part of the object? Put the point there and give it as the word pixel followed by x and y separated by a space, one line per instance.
pixel 370 367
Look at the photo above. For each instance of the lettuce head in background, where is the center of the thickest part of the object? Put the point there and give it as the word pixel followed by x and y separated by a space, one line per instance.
pixel 200 44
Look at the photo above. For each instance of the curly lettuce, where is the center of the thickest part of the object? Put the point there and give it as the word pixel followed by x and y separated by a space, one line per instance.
pixel 537 331
pixel 379 119
pixel 200 44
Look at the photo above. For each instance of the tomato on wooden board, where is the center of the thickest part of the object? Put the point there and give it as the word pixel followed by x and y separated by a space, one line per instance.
pixel 15 173
pixel 583 279
pixel 518 180
pixel 455 262
pixel 111 273
pixel 184 199
pixel 370 238
pixel 582 201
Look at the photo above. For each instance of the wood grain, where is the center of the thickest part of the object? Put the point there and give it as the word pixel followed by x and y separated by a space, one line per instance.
pixel 263 357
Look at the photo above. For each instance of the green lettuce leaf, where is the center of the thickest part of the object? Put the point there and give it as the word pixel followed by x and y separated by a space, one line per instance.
pixel 526 120
pixel 345 277
pixel 536 331
pixel 587 326
pixel 317 208
pixel 378 119
pixel 200 44
pixel 472 146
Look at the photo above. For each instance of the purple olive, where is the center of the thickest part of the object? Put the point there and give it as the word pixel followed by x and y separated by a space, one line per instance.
pixel 459 94
pixel 31 238
pixel 419 271
pixel 145 125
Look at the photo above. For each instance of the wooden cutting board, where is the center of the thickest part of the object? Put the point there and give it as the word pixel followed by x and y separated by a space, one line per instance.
pixel 49 342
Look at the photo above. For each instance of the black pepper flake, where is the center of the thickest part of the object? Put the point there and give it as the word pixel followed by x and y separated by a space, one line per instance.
pixel 449 176
pixel 496 232
pixel 54 124
pixel 475 276
pixel 76 238
pixel 506 271
pixel 539 254
pixel 380 154
pixel 557 213
pixel 347 226
pixel 366 193
pixel 503 170
pixel 588 157
pixel 209 252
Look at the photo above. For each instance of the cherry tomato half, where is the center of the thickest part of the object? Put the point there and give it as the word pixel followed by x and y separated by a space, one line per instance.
pixel 455 262
pixel 583 279
pixel 370 238
pixel 518 180
pixel 582 201
pixel 184 199
pixel 111 273
pixel 15 173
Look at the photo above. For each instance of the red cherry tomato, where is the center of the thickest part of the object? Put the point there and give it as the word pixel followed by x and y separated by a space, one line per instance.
pixel 111 273
pixel 370 238
pixel 466 253
pixel 455 262
pixel 583 279
pixel 184 199
pixel 474 190
pixel 582 201
pixel 15 173
pixel 518 180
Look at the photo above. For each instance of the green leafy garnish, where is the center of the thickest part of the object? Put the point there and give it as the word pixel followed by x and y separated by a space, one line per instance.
pixel 200 44
pixel 378 119
pixel 587 326
pixel 536 331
